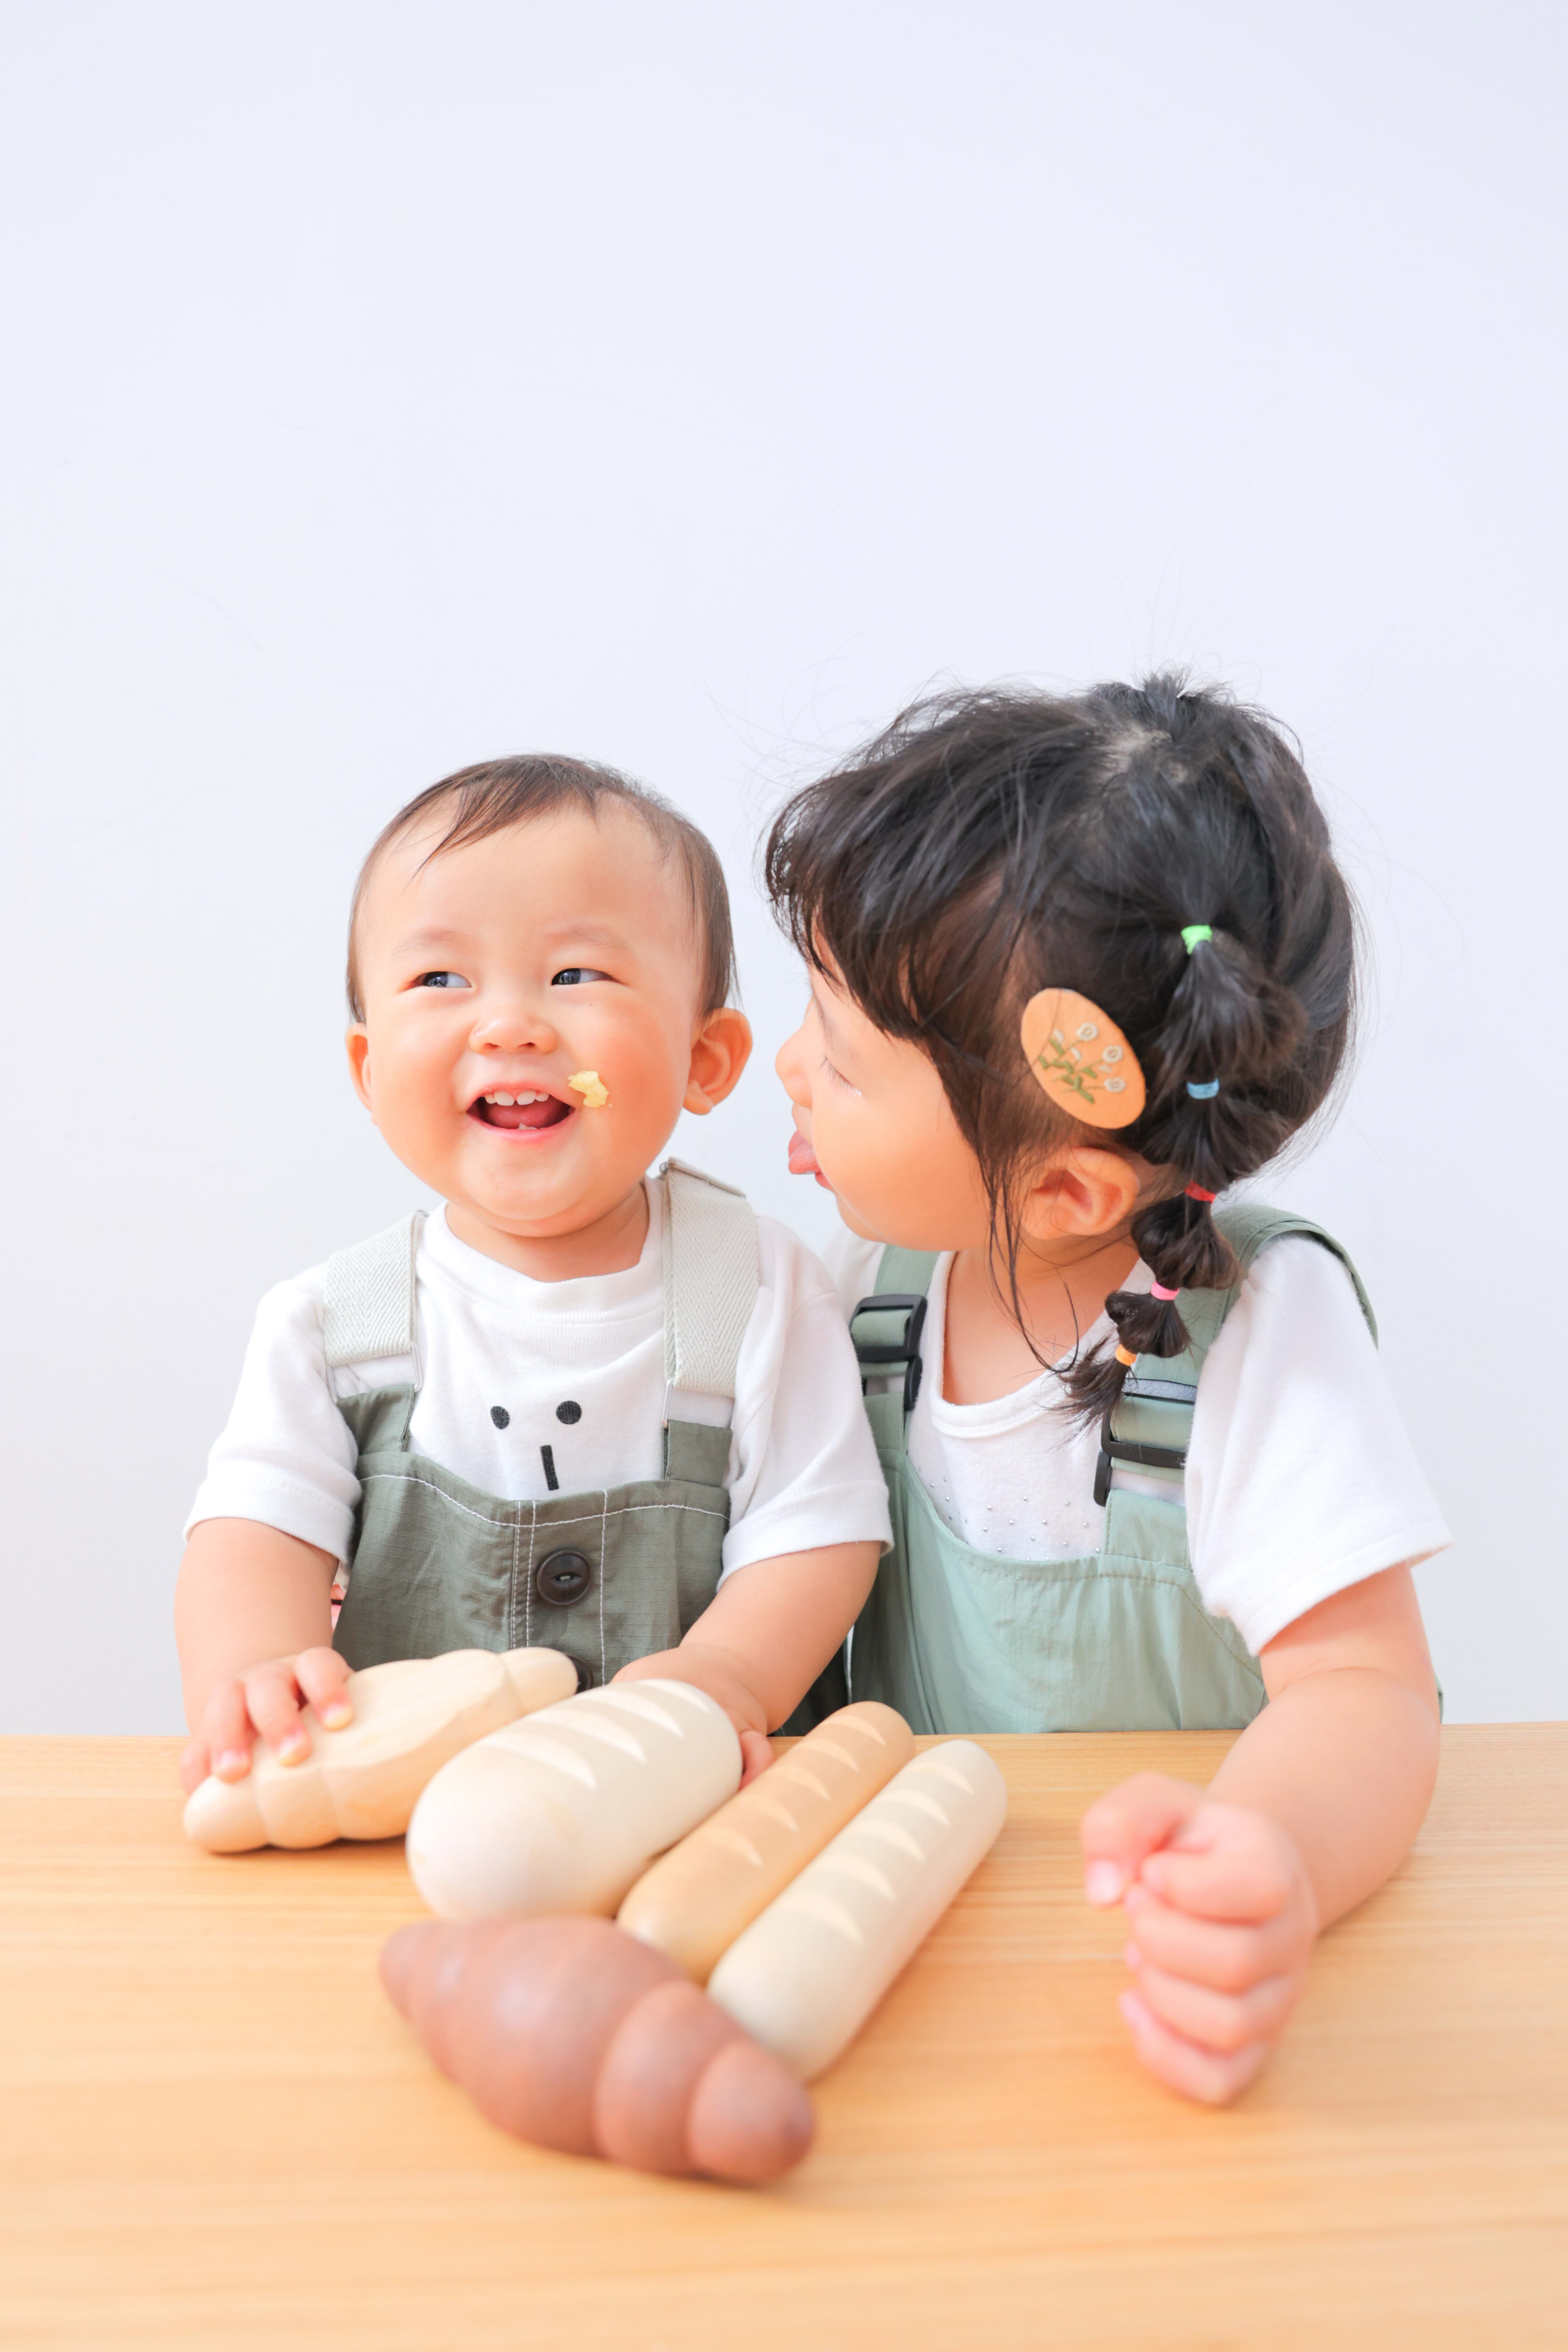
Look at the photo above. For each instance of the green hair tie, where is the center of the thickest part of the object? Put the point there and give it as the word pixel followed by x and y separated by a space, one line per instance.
pixel 1194 934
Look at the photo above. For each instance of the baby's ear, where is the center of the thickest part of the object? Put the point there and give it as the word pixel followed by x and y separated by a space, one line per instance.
pixel 358 1044
pixel 719 1052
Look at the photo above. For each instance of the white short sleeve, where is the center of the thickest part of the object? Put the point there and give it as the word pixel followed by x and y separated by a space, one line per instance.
pixel 288 1457
pixel 1301 1479
pixel 803 1463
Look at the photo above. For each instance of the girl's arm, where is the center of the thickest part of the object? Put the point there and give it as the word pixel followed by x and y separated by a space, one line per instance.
pixel 1225 1890
pixel 253 1617
pixel 766 1635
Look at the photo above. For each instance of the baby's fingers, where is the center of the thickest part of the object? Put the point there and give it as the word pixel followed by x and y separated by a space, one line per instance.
pixel 272 1697
pixel 1212 2076
pixel 226 1732
pixel 323 1675
pixel 1222 2021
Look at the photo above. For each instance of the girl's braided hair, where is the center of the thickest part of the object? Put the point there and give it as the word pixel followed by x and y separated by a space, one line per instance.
pixel 989 845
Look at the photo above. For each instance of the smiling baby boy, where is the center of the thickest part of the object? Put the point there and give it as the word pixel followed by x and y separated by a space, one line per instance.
pixel 574 1405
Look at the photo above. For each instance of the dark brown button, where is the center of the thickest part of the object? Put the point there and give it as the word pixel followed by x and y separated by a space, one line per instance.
pixel 587 1677
pixel 562 1578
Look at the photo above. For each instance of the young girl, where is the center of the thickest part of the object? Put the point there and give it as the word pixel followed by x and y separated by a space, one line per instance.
pixel 1078 967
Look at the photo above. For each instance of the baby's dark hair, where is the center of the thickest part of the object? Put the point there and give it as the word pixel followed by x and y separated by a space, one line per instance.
pixel 479 801
pixel 990 845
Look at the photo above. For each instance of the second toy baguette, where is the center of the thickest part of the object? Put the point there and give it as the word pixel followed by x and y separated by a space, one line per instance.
pixel 804 1977
pixel 697 1898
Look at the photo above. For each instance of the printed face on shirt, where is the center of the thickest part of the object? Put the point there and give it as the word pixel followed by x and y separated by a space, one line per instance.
pixel 874 1124
pixel 495 973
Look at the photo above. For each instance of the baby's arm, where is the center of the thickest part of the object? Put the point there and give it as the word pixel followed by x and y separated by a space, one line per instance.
pixel 766 1635
pixel 1225 1890
pixel 246 1592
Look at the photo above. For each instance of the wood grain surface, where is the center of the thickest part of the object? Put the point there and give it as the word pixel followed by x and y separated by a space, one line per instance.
pixel 215 2133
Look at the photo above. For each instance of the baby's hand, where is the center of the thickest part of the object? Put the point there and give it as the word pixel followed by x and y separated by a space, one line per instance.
pixel 1221 1917
pixel 712 1671
pixel 267 1701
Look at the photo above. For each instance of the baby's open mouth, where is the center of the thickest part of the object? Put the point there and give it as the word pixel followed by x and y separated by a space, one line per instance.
pixel 526 1109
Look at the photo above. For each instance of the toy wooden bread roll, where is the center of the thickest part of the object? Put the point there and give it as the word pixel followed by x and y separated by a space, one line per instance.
pixel 803 1977
pixel 571 2034
pixel 410 1716
pixel 562 1811
pixel 696 1900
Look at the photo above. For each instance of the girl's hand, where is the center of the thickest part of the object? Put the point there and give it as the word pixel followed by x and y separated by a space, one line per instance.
pixel 1221 1920
pixel 266 1701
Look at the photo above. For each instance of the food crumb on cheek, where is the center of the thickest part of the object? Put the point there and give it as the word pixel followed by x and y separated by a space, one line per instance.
pixel 591 1087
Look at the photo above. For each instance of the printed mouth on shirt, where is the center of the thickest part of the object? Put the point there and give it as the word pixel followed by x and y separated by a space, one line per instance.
pixel 529 1108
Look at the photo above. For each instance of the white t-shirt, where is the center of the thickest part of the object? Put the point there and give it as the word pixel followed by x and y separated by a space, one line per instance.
pixel 1300 1478
pixel 501 1354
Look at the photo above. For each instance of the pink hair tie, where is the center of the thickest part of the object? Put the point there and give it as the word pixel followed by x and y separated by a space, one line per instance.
pixel 1158 1290
pixel 1196 1192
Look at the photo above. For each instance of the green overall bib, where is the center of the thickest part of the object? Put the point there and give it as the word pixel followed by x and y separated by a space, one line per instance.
pixel 606 1576
pixel 963 1640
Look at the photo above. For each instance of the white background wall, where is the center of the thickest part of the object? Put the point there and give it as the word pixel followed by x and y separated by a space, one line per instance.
pixel 389 385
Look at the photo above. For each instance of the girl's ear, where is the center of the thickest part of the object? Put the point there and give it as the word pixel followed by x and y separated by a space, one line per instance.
pixel 1085 1190
pixel 719 1052
pixel 358 1043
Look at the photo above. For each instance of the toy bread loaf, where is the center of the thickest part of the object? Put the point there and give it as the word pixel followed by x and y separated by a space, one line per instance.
pixel 562 1811
pixel 569 2033
pixel 806 1974
pixel 696 1900
pixel 410 1716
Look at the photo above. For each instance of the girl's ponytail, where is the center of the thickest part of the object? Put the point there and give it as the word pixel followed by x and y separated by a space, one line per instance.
pixel 1229 1030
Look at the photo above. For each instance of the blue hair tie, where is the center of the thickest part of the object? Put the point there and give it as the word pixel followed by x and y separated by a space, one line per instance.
pixel 1204 1092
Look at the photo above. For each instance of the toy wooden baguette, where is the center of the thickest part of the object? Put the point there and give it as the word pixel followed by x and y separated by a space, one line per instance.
pixel 571 2034
pixel 562 1811
pixel 696 1900
pixel 409 1718
pixel 806 1974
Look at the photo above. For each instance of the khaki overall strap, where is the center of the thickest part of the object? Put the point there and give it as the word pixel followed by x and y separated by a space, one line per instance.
pixel 367 1308
pixel 712 1275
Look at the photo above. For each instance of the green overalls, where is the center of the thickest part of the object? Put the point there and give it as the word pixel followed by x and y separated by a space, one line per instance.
pixel 606 1577
pixel 963 1640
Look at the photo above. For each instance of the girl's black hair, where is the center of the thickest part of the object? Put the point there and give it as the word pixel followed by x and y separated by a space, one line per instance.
pixel 990 845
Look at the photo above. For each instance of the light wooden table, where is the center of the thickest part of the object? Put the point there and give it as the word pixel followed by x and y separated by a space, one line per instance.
pixel 215 2136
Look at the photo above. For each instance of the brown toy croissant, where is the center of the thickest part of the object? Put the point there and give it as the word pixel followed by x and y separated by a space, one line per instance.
pixel 569 2032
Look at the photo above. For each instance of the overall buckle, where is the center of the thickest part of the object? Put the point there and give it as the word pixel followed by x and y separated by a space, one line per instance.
pixel 879 1354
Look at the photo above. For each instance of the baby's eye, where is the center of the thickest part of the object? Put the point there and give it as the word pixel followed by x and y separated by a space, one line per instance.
pixel 837 1076
pixel 440 980
pixel 575 975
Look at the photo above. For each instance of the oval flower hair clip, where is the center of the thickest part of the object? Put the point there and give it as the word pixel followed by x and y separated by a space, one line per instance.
pixel 1081 1059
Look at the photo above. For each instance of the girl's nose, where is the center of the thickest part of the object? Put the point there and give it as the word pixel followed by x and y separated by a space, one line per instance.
pixel 791 1065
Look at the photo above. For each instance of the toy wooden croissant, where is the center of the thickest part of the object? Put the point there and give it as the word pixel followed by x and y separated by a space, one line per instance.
pixel 572 2034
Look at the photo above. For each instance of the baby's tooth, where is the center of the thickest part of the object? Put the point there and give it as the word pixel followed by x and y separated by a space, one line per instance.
pixel 506 1101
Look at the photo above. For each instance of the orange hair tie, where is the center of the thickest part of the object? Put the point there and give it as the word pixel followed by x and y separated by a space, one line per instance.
pixel 1196 1192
